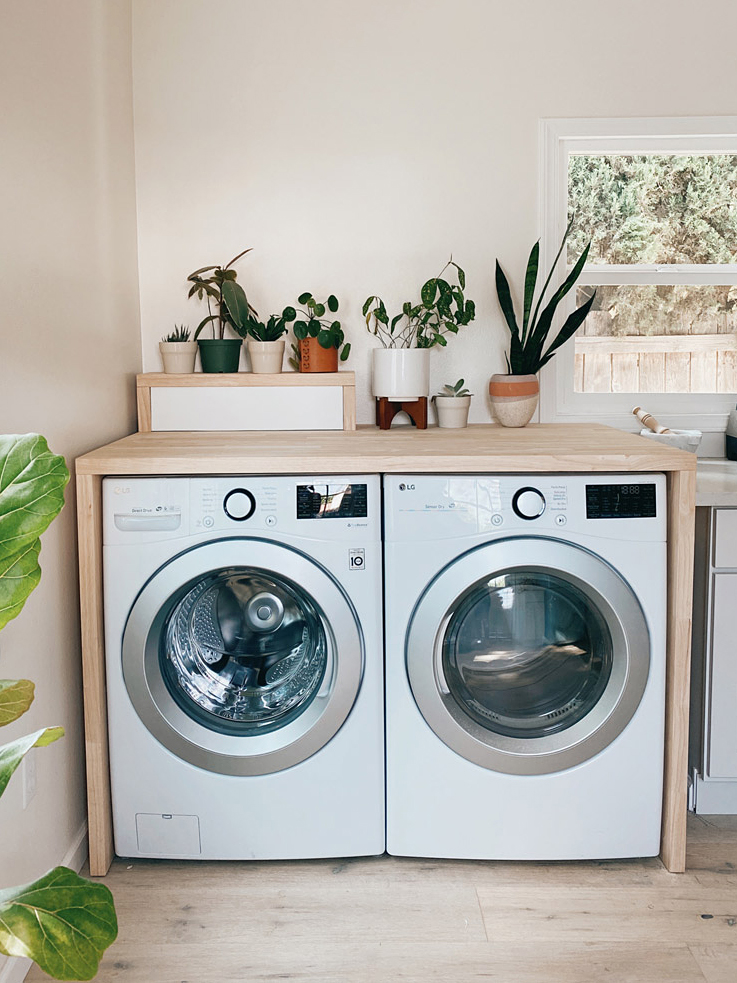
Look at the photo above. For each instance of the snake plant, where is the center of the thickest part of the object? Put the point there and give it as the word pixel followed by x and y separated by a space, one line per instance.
pixel 527 353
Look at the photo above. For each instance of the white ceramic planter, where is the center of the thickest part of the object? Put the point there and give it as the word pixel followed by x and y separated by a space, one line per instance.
pixel 452 411
pixel 178 356
pixel 266 356
pixel 401 373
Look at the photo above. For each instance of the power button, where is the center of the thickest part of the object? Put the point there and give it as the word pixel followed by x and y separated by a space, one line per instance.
pixel 208 522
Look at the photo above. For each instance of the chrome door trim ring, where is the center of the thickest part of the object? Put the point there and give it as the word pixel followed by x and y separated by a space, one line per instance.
pixel 257 754
pixel 601 584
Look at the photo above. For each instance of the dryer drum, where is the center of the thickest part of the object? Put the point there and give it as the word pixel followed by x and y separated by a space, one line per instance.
pixel 526 654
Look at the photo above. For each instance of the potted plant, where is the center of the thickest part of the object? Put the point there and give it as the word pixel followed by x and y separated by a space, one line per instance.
pixel 401 367
pixel 514 395
pixel 453 403
pixel 62 921
pixel 265 341
pixel 320 342
pixel 221 291
pixel 178 353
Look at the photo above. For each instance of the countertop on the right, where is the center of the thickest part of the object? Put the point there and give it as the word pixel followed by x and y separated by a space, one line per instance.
pixel 716 482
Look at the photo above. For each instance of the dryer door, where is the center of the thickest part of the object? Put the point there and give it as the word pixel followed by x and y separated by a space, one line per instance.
pixel 528 656
pixel 242 656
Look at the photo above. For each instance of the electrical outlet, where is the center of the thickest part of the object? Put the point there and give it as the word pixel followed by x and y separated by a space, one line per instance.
pixel 30 778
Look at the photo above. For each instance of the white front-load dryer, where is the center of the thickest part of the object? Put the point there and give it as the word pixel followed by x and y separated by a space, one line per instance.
pixel 525 665
pixel 244 666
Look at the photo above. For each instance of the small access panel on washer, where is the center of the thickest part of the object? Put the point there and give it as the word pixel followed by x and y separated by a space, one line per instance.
pixel 244 666
pixel 525 665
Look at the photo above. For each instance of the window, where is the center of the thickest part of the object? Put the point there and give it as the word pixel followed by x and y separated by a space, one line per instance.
pixel 658 200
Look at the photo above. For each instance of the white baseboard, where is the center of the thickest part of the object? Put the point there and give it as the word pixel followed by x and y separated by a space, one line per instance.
pixel 15 970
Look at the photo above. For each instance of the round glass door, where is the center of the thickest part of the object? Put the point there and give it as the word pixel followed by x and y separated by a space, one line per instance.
pixel 526 653
pixel 242 656
pixel 528 656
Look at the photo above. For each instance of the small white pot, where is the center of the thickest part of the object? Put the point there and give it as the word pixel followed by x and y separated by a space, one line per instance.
pixel 178 356
pixel 266 356
pixel 452 411
pixel 401 373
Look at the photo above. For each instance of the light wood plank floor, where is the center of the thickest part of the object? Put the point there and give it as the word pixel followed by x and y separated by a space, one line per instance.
pixel 415 921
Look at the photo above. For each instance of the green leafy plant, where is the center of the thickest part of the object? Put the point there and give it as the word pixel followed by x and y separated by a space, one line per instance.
pixel 179 334
pixel 455 390
pixel 312 323
pixel 442 311
pixel 272 330
pixel 526 356
pixel 61 921
pixel 228 297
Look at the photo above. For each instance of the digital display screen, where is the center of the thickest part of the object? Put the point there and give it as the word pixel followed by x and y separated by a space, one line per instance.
pixel 620 501
pixel 332 501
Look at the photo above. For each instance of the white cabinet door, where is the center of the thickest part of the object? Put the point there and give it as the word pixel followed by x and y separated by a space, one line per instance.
pixel 723 685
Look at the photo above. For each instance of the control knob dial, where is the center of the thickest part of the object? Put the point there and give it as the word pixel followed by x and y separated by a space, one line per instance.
pixel 528 503
pixel 239 504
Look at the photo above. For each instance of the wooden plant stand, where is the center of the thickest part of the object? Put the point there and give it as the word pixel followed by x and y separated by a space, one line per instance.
pixel 387 409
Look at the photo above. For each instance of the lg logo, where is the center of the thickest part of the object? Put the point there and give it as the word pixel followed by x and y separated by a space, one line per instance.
pixel 404 487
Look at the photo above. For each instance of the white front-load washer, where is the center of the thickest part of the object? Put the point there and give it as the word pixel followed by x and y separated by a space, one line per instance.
pixel 244 666
pixel 525 665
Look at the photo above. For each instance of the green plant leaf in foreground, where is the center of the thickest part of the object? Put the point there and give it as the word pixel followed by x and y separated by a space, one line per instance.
pixel 12 754
pixel 32 482
pixel 16 696
pixel 61 921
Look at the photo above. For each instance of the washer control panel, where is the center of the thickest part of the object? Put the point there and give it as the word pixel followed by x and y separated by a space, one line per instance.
pixel 153 509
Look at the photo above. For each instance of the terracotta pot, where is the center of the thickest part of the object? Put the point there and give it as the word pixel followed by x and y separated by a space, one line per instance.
pixel 452 411
pixel 178 356
pixel 514 398
pixel 266 356
pixel 401 373
pixel 313 358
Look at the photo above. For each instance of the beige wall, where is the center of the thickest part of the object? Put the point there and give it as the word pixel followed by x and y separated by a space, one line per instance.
pixel 70 346
pixel 355 145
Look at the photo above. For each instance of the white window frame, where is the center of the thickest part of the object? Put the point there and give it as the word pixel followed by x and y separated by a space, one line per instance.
pixel 558 139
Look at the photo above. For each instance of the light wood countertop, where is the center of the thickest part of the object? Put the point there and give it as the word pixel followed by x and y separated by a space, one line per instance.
pixel 482 448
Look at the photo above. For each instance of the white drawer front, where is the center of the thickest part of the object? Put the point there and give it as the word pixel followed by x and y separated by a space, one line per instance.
pixel 725 538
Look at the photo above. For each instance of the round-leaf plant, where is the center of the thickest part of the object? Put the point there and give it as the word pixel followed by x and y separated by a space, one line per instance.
pixel 312 323
pixel 62 921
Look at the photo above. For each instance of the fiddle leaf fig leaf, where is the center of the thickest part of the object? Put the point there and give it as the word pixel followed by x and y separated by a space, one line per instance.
pixel 61 921
pixel 32 482
pixel 16 696
pixel 12 754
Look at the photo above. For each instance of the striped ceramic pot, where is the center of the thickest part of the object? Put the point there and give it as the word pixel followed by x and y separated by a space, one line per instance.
pixel 514 398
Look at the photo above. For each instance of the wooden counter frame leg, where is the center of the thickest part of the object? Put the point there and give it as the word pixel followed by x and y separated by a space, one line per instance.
pixel 99 805
pixel 681 513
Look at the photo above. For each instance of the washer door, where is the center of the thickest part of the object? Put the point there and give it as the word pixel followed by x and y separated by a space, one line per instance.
pixel 242 656
pixel 528 656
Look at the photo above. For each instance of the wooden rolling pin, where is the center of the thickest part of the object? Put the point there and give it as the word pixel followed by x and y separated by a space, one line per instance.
pixel 649 421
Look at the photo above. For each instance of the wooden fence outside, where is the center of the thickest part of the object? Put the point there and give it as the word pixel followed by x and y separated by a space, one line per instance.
pixel 677 363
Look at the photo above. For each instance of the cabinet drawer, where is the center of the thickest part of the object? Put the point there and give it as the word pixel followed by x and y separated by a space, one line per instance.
pixel 725 538
pixel 722 742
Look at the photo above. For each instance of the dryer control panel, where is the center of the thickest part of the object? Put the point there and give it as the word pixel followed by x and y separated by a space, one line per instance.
pixel 451 506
